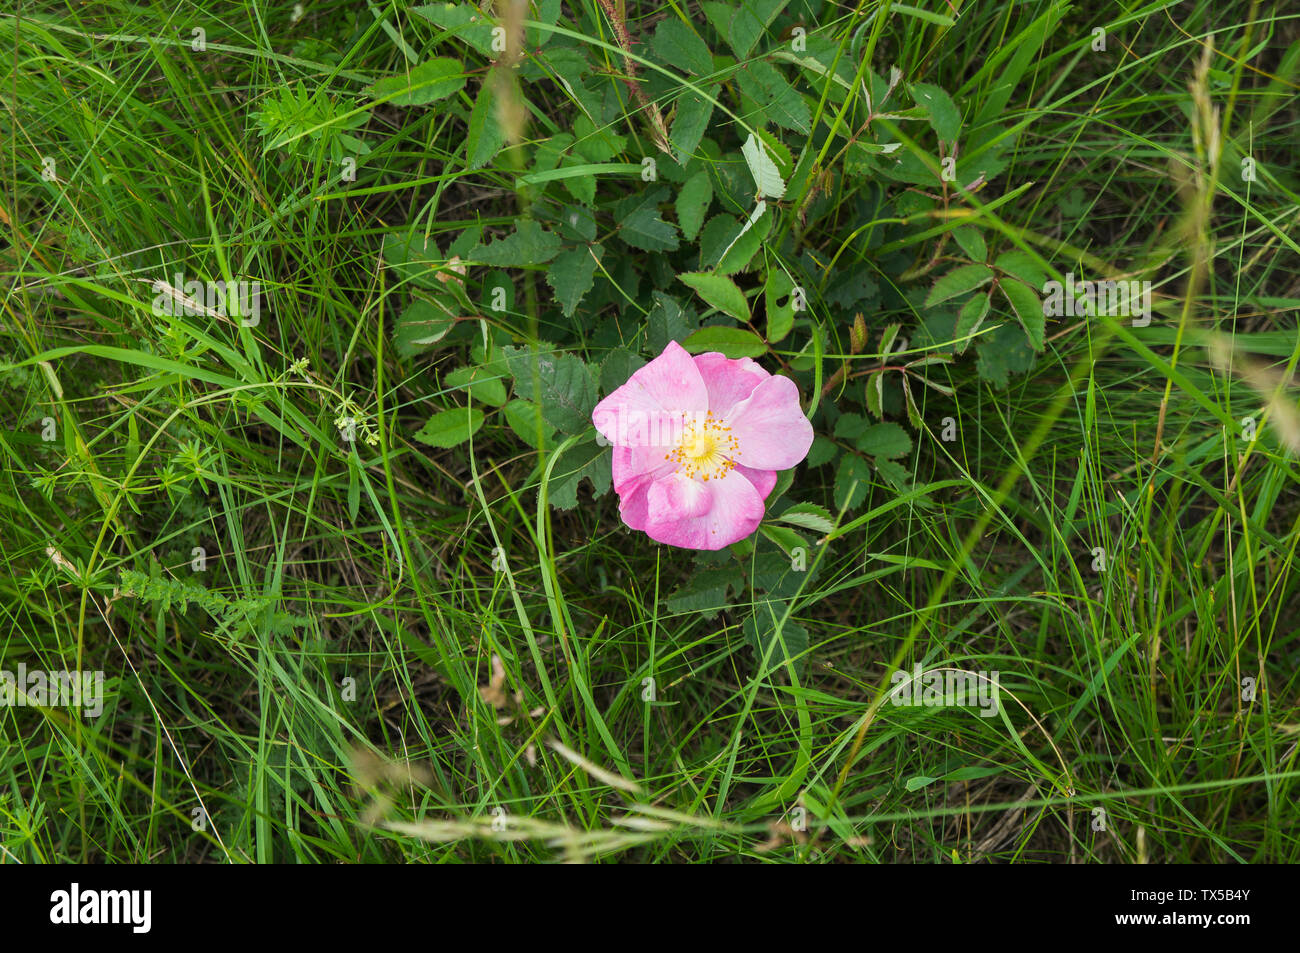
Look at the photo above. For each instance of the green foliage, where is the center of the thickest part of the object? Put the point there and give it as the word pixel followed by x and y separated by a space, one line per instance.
pixel 356 573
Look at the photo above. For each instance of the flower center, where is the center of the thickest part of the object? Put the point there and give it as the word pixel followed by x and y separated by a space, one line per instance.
pixel 706 450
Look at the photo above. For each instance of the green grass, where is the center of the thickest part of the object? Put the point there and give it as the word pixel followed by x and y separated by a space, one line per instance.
pixel 324 689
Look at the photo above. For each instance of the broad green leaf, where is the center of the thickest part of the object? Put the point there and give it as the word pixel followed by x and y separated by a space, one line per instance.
pixel 572 275
pixel 692 202
pixel 589 461
pixel 787 539
pixel 482 383
pixel 464 21
pixel 852 479
pixel 887 440
pixel 780 317
pixel 449 428
pixel 969 319
pixel 416 258
pixel 678 45
pixel 733 342
pixel 971 242
pixel 563 383
pixel 959 281
pixel 745 22
pixel 1029 309
pixel 822 452
pixel 643 227
pixel 689 123
pixel 523 416
pixel 425 83
pixel 618 367
pixel 530 244
pixel 809 516
pixel 719 292
pixel 485 136
pixel 707 591
pixel 728 245
pixel 945 118
pixel 767 177
pixel 789 643
pixel 597 143
pixel 1002 353
pixel 776 99
pixel 667 321
pixel 851 426
pixel 1022 265
pixel 422 325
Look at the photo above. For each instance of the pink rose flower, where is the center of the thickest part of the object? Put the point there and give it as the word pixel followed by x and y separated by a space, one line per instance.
pixel 697 444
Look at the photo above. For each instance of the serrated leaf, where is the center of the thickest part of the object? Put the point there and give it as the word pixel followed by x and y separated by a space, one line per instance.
pixel 777 100
pixel 421 326
pixel 767 178
pixel 644 228
pixel 787 539
pixel 733 342
pixel 1022 265
pixel 969 319
pixel 875 393
pixel 719 292
pixel 945 118
pixel 563 383
pixel 587 461
pixel 667 321
pixel 482 383
pixel 692 202
pixel 850 426
pixel 484 137
pixel 618 367
pixel 1028 308
pixel 971 242
pixel 887 440
pixel 678 45
pixel 852 478
pixel 425 83
pixel 779 646
pixel 523 417
pixel 822 452
pixel 959 281
pixel 780 318
pixel 893 473
pixel 689 124
pixel 530 244
pixel 728 244
pixel 706 591
pixel 449 428
pixel 572 275
pixel 464 21
pixel 416 258
pixel 1002 353
pixel 809 516
pixel 748 22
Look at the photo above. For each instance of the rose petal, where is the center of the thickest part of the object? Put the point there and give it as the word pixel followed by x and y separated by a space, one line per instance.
pixel 769 426
pixel 728 381
pixel 703 515
pixel 763 480
pixel 633 502
pixel 653 399
pixel 632 463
